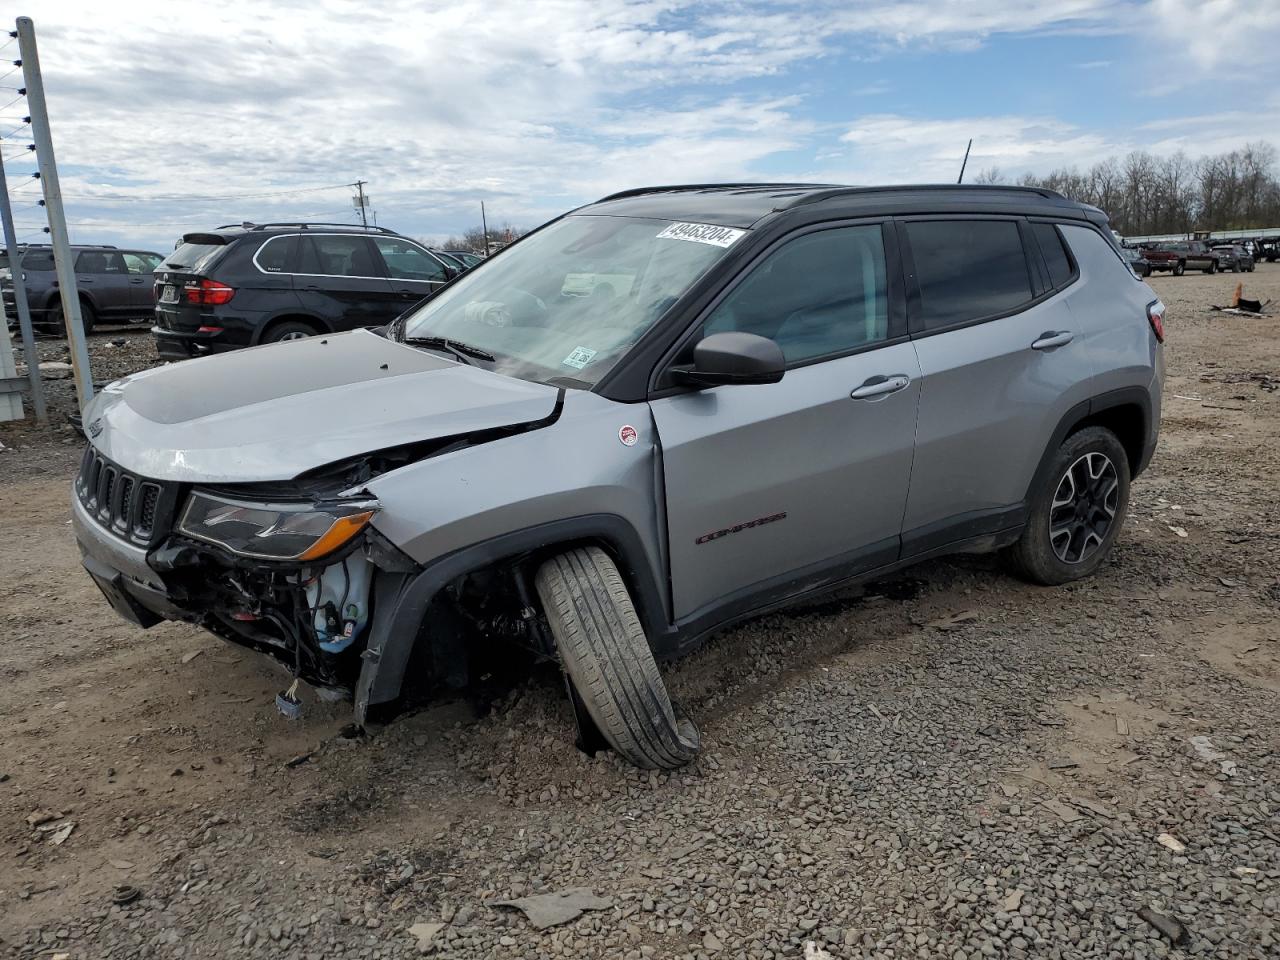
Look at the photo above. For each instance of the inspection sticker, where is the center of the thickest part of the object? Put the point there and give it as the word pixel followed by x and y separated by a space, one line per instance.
pixel 701 233
pixel 579 358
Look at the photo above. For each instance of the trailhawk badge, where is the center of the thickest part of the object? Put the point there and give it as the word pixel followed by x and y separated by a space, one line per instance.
pixel 628 435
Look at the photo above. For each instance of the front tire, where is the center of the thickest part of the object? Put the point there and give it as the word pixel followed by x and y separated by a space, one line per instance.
pixel 604 651
pixel 1211 268
pixel 1077 510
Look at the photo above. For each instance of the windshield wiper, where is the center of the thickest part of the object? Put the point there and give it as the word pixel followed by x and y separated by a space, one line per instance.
pixel 463 351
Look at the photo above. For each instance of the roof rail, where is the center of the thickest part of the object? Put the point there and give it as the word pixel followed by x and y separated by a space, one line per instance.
pixel 303 225
pixel 821 194
pixel 677 187
pixel 78 246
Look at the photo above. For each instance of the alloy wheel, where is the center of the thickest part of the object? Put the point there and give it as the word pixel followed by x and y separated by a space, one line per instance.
pixel 295 335
pixel 1084 508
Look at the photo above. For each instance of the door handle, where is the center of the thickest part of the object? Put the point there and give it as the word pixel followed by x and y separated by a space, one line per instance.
pixel 1049 339
pixel 136 280
pixel 880 386
pixel 84 279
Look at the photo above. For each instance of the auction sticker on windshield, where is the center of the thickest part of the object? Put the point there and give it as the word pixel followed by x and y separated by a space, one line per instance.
pixel 701 233
pixel 579 358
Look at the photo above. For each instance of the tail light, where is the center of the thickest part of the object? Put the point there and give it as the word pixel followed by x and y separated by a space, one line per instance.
pixel 209 293
pixel 1155 317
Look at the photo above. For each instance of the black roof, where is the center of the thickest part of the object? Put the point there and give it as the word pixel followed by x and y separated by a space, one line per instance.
pixel 743 204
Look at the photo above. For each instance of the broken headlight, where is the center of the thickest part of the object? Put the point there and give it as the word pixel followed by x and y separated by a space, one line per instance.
pixel 275 531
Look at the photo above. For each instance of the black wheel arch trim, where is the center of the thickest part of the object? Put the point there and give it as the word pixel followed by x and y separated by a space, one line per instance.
pixel 401 600
pixel 1125 396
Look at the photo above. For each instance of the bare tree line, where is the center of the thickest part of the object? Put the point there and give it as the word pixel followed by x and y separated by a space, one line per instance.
pixel 1145 194
pixel 473 238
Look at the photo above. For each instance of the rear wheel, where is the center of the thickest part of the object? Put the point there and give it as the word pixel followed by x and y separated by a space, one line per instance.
pixel 289 330
pixel 605 653
pixel 57 323
pixel 1076 511
pixel 1179 268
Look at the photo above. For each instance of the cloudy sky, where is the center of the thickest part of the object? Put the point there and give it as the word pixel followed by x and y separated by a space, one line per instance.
pixel 181 116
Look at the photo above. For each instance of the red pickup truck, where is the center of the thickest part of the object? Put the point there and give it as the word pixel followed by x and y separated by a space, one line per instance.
pixel 1179 256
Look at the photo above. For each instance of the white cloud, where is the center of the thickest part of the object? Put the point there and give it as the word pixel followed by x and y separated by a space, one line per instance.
pixel 533 105
pixel 1218 33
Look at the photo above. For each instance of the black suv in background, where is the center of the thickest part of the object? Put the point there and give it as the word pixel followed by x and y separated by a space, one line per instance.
pixel 114 285
pixel 237 286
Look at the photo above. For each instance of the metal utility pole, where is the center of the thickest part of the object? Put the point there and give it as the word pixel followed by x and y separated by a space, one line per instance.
pixel 960 179
pixel 20 301
pixel 484 225
pixel 360 201
pixel 62 259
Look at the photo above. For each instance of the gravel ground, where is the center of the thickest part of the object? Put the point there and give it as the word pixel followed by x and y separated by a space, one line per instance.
pixel 950 764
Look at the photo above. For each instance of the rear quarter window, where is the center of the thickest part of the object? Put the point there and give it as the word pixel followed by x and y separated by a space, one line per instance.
pixel 1055 254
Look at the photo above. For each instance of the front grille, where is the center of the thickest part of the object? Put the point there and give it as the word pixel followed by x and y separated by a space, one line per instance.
pixel 132 507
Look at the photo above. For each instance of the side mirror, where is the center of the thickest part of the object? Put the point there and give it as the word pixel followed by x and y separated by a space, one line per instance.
pixel 733 357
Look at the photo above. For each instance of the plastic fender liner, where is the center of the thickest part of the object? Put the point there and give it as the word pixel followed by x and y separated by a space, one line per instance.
pixel 401 599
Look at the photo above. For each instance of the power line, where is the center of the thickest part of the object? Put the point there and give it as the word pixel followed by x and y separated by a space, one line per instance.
pixel 183 197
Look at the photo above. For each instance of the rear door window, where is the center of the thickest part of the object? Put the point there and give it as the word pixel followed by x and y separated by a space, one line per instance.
pixel 1055 254
pixel 100 262
pixel 967 270
pixel 339 256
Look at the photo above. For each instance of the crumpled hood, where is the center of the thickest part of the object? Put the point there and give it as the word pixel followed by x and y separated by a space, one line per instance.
pixel 273 412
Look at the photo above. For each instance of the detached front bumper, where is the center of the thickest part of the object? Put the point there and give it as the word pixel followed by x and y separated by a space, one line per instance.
pixel 121 572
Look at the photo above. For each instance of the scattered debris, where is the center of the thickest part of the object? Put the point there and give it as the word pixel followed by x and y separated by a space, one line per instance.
pixel 58 837
pixel 1230 582
pixel 124 894
pixel 1178 530
pixel 121 864
pixel 1172 842
pixel 814 952
pixel 1205 750
pixel 1122 726
pixel 188 657
pixel 424 933
pixel 1092 806
pixel 37 817
pixel 1011 902
pixel 1245 871
pixel 53 370
pixel 552 909
pixel 1170 928
pixel 299 760
pixel 954 621
pixel 1065 813
pixel 1066 763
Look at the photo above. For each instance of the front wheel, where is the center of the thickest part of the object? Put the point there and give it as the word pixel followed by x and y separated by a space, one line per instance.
pixel 605 653
pixel 1076 511
pixel 1211 268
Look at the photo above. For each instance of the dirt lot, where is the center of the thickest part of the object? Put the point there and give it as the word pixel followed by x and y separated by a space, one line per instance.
pixel 953 764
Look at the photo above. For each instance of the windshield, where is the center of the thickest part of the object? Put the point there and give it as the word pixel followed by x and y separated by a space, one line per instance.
pixel 568 301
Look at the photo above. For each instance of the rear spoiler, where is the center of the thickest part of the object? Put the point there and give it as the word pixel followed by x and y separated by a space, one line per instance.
pixel 212 239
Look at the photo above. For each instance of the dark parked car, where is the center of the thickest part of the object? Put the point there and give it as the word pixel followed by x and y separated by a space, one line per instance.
pixel 114 285
pixel 1233 257
pixel 1140 264
pixel 237 286
pixel 451 259
pixel 468 258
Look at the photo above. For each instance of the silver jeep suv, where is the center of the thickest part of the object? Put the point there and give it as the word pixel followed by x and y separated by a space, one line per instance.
pixel 655 416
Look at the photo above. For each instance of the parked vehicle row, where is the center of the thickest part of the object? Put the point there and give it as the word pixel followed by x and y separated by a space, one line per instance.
pixel 114 285
pixel 242 285
pixel 343 285
pixel 653 417
pixel 1233 257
